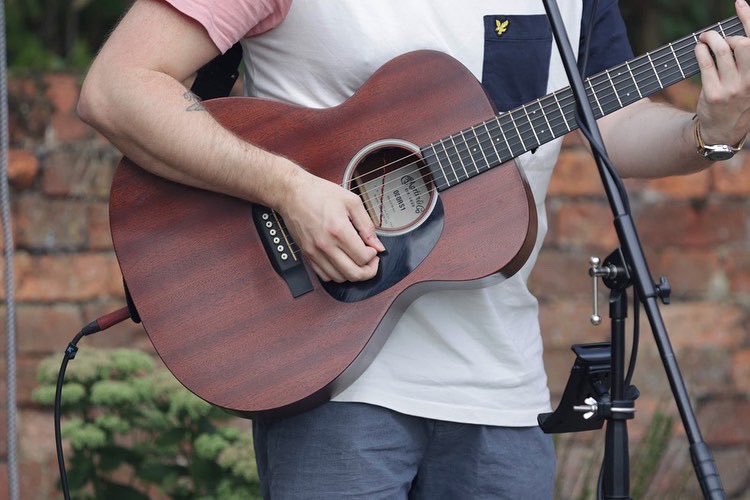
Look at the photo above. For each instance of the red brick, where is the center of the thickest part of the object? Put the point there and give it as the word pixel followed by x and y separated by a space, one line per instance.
pixel 21 264
pixel 37 453
pixel 3 417
pixel 682 187
pixel 585 225
pixel 99 236
pixel 43 329
pixel 29 112
pixel 3 474
pixel 50 224
pixel 741 370
pixel 734 468
pixel 79 173
pixel 69 128
pixel 22 167
pixel 738 270
pixel 732 177
pixel 690 272
pixel 564 323
pixel 575 174
pixel 724 421
pixel 698 324
pixel 27 366
pixel 692 225
pixel 558 273
pixel 67 277
pixel 62 91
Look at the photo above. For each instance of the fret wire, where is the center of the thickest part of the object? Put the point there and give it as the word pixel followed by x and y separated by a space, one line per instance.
pixel 517 131
pixel 591 86
pixel 451 163
pixel 502 132
pixel 546 119
pixel 460 160
pixel 677 61
pixel 481 149
pixel 532 125
pixel 440 164
pixel 448 160
pixel 567 125
pixel 492 143
pixel 436 176
pixel 613 87
pixel 721 29
pixel 564 115
pixel 654 68
pixel 538 119
pixel 470 150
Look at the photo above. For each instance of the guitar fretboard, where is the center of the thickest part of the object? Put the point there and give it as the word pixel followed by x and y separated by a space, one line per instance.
pixel 463 155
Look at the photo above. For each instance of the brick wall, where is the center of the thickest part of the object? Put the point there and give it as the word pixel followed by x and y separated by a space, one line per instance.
pixel 696 230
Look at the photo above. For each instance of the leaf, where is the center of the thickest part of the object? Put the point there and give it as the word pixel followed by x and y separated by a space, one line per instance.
pixel 118 491
pixel 155 472
pixel 110 457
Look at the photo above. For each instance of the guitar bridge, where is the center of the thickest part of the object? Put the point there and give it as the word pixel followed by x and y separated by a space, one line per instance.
pixel 282 250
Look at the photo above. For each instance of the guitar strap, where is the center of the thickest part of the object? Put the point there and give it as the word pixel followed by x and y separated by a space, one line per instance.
pixel 217 77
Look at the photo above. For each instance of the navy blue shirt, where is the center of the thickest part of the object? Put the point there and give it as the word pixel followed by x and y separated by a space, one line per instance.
pixel 526 49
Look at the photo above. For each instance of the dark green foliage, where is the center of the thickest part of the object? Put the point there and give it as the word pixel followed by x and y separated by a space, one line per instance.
pixel 132 427
pixel 57 34
pixel 653 23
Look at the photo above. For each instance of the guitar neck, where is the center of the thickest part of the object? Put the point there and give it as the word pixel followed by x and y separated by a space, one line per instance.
pixel 463 155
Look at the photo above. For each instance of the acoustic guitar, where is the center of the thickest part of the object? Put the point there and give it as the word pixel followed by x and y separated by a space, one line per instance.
pixel 223 290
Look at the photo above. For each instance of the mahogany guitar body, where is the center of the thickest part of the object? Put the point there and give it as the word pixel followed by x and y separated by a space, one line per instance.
pixel 222 318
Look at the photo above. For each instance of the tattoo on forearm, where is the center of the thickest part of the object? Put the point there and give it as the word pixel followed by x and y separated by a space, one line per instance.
pixel 194 100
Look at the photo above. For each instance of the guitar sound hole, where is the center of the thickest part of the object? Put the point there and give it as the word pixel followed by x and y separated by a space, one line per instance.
pixel 394 184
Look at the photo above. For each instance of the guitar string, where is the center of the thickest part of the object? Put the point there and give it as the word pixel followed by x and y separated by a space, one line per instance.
pixel 486 139
pixel 296 249
pixel 529 123
pixel 669 55
pixel 683 51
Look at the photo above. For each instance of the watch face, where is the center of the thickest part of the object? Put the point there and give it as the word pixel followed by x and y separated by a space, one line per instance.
pixel 719 155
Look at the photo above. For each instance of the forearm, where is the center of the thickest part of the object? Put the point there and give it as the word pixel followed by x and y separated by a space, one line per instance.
pixel 651 139
pixel 155 121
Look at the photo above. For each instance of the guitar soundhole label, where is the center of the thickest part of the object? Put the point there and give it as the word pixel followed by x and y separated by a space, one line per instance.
pixel 394 184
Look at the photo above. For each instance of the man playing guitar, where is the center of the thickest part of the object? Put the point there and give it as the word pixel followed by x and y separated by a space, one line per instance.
pixel 448 408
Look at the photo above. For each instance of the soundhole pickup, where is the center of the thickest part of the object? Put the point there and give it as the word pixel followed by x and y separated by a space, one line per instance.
pixel 281 250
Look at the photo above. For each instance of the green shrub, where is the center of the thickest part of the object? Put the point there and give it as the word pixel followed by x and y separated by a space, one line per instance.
pixel 132 427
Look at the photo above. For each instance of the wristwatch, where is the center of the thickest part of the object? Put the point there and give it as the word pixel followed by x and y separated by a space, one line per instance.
pixel 714 152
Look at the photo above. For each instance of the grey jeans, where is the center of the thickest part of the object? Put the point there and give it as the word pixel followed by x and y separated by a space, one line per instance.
pixel 355 450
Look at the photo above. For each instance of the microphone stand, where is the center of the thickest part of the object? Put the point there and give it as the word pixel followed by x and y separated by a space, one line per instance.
pixel 616 473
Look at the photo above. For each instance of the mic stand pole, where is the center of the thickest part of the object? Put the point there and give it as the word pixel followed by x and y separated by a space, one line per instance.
pixel 703 462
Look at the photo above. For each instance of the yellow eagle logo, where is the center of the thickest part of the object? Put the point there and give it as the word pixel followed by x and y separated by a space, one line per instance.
pixel 501 27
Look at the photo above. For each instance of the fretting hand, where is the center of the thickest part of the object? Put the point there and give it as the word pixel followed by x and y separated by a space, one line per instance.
pixel 724 103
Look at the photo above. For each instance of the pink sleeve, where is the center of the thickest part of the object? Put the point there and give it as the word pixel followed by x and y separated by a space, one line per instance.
pixel 227 21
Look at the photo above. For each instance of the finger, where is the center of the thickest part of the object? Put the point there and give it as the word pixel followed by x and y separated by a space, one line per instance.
pixel 351 270
pixel 743 12
pixel 722 52
pixel 323 276
pixel 327 268
pixel 741 47
pixel 709 73
pixel 364 226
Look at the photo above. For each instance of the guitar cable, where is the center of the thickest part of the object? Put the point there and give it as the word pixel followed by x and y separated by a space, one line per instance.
pixel 100 324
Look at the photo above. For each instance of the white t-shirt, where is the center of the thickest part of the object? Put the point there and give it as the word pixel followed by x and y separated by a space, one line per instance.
pixel 471 356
